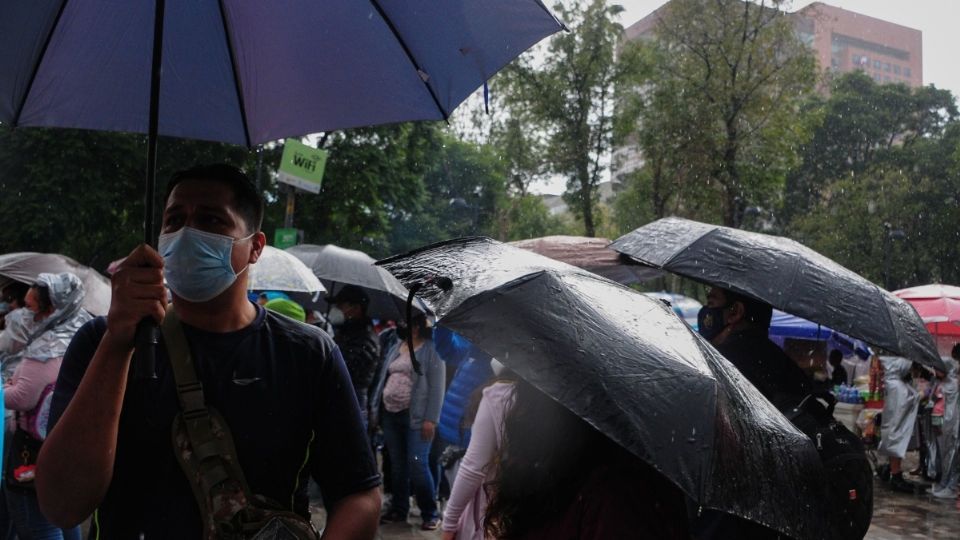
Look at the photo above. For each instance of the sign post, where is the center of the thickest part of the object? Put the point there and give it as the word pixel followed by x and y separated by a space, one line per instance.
pixel 301 167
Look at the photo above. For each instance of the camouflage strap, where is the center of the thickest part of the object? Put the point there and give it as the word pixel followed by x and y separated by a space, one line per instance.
pixel 205 450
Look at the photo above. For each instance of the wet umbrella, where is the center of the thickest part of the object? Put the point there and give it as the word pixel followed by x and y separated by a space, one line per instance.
pixel 337 266
pixel 26 266
pixel 250 72
pixel 277 270
pixel 632 369
pixel 787 275
pixel 593 254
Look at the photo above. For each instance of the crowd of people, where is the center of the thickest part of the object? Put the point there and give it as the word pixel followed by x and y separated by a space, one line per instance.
pixel 261 395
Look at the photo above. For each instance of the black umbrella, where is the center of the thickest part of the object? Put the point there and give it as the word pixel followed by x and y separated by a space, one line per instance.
pixel 632 369
pixel 337 267
pixel 787 275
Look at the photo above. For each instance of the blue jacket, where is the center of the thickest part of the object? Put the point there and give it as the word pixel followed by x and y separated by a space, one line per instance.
pixel 473 370
pixel 426 396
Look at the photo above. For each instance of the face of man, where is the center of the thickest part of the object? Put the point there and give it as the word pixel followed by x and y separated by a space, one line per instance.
pixel 207 205
pixel 716 297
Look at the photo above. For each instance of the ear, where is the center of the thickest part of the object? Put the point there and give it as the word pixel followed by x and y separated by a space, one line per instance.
pixel 257 242
pixel 736 313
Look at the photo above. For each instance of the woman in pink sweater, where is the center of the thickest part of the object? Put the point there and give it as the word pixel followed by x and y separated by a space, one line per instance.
pixel 463 515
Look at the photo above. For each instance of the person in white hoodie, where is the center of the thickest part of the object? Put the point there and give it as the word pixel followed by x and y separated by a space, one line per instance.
pixel 947 440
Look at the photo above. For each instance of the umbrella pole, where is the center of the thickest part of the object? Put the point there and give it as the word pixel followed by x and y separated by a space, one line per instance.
pixel 148 333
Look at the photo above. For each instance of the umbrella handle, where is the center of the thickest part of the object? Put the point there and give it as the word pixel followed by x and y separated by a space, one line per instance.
pixel 409 315
pixel 144 366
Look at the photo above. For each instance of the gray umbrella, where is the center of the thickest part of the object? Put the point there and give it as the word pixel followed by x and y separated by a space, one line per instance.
pixel 26 266
pixel 337 266
pixel 787 275
pixel 631 368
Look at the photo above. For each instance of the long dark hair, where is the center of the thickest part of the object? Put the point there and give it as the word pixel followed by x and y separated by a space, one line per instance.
pixel 546 457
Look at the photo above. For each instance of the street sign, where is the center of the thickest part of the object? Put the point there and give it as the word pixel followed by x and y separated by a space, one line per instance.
pixel 302 166
pixel 285 237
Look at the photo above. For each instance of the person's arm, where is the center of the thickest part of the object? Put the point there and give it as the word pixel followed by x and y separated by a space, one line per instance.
pixel 75 466
pixel 32 376
pixel 475 463
pixel 341 461
pixel 355 517
pixel 436 373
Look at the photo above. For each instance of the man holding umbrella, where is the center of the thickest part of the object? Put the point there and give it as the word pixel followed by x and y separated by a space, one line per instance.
pixel 739 326
pixel 281 387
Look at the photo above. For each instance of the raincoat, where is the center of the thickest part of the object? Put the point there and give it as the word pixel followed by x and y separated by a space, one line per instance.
pixel 899 408
pixel 18 329
pixel 47 344
pixel 948 440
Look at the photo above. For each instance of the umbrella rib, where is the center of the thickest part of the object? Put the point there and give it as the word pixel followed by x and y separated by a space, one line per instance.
pixel 36 65
pixel 236 75
pixel 409 53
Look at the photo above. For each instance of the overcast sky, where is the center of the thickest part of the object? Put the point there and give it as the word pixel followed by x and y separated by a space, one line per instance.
pixel 939 20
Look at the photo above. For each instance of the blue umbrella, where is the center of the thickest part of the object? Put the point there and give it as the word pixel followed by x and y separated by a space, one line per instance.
pixel 783 325
pixel 248 72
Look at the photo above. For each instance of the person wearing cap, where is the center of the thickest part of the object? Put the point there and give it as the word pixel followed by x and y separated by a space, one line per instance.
pixel 354 334
pixel 286 307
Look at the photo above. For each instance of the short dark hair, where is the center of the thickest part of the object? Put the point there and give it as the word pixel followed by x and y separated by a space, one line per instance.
pixel 756 312
pixel 836 355
pixel 15 292
pixel 247 200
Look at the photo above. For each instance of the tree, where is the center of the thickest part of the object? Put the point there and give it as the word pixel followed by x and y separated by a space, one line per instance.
pixel 568 98
pixel 718 115
pixel 863 125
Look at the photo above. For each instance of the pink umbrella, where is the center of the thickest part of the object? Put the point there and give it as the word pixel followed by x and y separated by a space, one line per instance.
pixel 939 307
pixel 590 254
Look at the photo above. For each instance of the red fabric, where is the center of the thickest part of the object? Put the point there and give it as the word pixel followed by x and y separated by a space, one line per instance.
pixel 938 306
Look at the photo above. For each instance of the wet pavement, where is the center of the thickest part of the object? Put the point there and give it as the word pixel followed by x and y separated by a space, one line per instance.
pixel 896 516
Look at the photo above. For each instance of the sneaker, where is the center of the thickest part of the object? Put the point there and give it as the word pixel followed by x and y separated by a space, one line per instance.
pixel 430 524
pixel 897 483
pixel 944 493
pixel 393 517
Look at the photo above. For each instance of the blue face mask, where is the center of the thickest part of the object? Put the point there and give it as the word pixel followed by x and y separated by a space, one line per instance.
pixel 5 307
pixel 197 264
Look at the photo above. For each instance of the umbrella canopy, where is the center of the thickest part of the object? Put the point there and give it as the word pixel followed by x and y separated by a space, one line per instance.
pixel 787 275
pixel 250 72
pixel 26 266
pixel 593 254
pixel 337 266
pixel 277 270
pixel 627 365
pixel 685 307
pixel 938 305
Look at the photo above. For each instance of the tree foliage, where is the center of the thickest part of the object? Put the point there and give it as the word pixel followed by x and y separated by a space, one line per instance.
pixel 567 97
pixel 716 117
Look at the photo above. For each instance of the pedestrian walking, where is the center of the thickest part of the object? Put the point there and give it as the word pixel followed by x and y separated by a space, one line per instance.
pixel 357 341
pixel 899 417
pixel 409 405
pixel 947 439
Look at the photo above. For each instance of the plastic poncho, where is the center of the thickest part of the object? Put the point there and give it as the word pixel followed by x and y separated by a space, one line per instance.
pixel 53 334
pixel 899 407
pixel 948 440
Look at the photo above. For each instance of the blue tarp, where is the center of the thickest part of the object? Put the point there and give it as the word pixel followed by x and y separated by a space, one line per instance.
pixel 785 326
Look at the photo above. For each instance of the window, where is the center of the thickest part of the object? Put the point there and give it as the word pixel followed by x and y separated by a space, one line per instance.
pixel 906 72
pixel 876 64
pixel 886 66
pixel 896 69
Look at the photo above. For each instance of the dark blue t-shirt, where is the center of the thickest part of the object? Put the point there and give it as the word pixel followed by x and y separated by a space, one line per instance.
pixel 285 393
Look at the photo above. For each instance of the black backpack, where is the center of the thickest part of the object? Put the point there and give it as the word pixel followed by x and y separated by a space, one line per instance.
pixel 849 475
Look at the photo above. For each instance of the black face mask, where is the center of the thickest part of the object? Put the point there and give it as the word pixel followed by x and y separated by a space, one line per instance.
pixel 402 332
pixel 710 321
